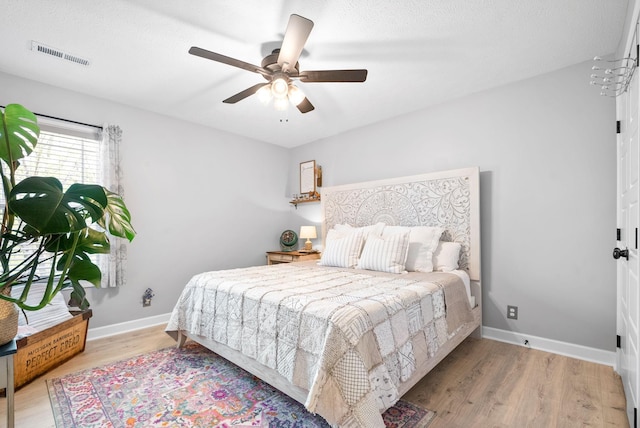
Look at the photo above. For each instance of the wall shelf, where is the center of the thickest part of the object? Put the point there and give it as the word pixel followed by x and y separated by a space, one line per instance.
pixel 295 202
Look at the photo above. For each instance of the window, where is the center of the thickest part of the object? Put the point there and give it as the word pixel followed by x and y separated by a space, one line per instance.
pixel 67 151
pixel 72 157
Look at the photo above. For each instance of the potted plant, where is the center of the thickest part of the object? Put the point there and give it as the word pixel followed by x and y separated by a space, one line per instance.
pixel 43 222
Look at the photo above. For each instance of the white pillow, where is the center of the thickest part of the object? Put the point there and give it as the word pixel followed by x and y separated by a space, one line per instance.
pixel 342 248
pixel 385 254
pixel 446 256
pixel 423 241
pixel 375 229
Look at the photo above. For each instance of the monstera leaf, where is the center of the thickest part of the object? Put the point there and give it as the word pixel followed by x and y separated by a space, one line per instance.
pixel 88 241
pixel 21 134
pixel 118 217
pixel 42 204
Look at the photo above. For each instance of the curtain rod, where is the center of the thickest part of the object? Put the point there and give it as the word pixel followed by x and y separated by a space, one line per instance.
pixel 64 120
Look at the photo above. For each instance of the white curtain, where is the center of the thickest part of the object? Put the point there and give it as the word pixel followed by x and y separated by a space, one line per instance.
pixel 113 266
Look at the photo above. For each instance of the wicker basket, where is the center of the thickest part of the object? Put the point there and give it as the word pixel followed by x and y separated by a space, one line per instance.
pixel 8 319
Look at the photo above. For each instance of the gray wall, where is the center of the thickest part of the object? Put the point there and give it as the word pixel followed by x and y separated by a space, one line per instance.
pixel 546 148
pixel 200 199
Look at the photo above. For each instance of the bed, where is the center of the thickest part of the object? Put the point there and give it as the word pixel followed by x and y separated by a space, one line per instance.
pixel 397 288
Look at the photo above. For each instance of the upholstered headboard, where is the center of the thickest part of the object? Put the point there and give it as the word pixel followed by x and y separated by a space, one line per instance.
pixel 450 199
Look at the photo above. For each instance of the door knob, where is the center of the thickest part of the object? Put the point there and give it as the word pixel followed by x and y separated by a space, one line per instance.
pixel 617 253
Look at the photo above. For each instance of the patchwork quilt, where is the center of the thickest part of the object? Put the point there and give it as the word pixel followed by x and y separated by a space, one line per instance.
pixel 348 336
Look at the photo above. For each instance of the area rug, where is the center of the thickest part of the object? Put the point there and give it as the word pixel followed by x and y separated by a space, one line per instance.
pixel 188 387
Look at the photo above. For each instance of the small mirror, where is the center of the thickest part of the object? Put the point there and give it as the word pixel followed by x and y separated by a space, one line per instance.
pixel 308 177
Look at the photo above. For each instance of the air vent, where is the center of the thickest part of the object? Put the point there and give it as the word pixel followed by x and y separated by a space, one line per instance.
pixel 48 50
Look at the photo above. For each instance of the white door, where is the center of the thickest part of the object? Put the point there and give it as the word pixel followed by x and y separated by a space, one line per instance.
pixel 626 250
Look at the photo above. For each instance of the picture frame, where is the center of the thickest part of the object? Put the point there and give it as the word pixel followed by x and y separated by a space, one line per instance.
pixel 308 177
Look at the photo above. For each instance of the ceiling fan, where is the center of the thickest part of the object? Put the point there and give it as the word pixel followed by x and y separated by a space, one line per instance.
pixel 281 68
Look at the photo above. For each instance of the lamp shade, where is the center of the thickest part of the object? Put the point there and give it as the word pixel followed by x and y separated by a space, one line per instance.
pixel 296 96
pixel 279 88
pixel 308 232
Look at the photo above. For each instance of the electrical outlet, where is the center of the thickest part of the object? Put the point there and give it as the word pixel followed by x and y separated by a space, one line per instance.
pixel 512 312
pixel 146 297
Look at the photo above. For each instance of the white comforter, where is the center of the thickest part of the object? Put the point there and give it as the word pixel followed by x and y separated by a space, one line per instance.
pixel 347 336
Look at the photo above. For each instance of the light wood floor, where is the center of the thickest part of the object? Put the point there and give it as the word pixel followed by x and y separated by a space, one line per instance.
pixel 483 383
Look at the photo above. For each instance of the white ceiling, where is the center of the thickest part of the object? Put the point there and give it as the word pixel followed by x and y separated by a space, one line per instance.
pixel 418 53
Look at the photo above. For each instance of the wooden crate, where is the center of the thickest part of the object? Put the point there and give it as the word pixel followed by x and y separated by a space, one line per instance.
pixel 49 348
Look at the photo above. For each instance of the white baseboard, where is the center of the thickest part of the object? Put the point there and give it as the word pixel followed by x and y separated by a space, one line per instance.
pixel 549 345
pixel 126 327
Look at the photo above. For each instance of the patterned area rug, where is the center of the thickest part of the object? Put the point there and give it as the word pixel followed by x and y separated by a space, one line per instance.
pixel 189 387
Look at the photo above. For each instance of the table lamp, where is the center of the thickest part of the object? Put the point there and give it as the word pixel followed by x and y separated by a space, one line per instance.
pixel 308 233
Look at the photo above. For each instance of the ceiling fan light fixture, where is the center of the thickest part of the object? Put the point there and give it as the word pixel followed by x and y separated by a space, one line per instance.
pixel 279 88
pixel 281 67
pixel 264 94
pixel 296 96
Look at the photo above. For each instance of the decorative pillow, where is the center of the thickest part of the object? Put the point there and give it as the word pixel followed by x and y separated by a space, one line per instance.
pixel 446 256
pixel 385 254
pixel 423 241
pixel 342 248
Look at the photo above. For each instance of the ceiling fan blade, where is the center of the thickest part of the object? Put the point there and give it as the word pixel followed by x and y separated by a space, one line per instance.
pixel 305 106
pixel 244 94
pixel 228 60
pixel 334 76
pixel 295 36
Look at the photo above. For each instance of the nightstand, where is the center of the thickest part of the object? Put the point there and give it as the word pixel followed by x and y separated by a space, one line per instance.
pixel 275 257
